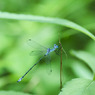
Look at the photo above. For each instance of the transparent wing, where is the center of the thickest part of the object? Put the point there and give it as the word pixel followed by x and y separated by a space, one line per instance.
pixel 48 64
pixel 58 51
pixel 36 46
pixel 37 52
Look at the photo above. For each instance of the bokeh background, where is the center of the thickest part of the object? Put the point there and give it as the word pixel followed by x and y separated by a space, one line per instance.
pixel 14 50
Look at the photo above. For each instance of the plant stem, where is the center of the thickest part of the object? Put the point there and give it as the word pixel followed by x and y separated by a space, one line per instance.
pixel 60 64
pixel 61 68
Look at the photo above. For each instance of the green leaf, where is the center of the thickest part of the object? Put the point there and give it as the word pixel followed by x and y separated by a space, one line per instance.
pixel 86 57
pixel 64 22
pixel 12 93
pixel 79 86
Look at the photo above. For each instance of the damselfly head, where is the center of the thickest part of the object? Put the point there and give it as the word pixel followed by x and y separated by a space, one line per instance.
pixel 55 46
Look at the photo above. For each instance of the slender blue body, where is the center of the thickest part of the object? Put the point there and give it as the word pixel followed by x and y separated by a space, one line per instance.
pixel 48 51
pixel 51 50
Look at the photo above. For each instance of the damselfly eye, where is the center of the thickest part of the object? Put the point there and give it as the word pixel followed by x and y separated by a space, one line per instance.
pixel 55 46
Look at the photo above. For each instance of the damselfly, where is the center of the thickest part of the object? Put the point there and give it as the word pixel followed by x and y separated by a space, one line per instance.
pixel 41 49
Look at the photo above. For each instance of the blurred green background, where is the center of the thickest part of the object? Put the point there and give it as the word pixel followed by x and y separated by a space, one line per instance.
pixel 14 50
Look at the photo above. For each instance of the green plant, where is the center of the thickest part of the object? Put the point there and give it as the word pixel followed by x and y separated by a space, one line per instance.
pixel 79 86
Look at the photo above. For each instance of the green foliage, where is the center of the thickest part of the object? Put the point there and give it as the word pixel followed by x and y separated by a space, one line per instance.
pixel 79 86
pixel 86 57
pixel 63 22
pixel 12 93
pixel 43 21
